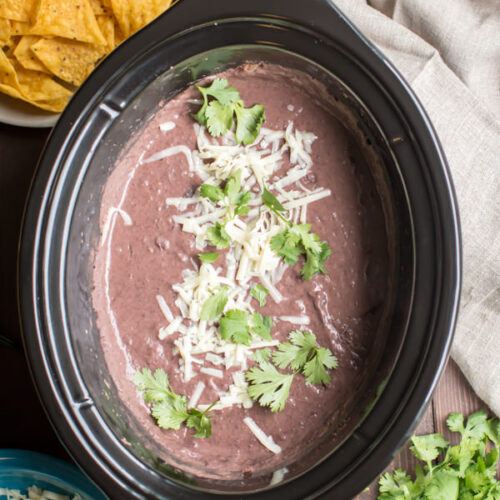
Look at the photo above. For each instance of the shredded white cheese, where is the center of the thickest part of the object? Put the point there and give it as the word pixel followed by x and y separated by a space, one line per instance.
pixel 174 150
pixel 167 126
pixel 213 372
pixel 261 436
pixel 127 220
pixel 195 397
pixel 278 476
pixel 164 308
pixel 249 257
pixel 297 320
pixel 35 493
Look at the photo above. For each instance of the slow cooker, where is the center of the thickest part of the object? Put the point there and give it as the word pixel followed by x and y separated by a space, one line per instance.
pixel 61 227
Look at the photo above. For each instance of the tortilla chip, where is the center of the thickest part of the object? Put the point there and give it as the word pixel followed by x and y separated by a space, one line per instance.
pixel 10 45
pixel 7 72
pixel 68 19
pixel 132 15
pixel 25 56
pixel 31 86
pixel 68 60
pixel 101 7
pixel 119 37
pixel 107 27
pixel 55 105
pixel 37 86
pixel 17 10
pixel 20 28
pixel 5 31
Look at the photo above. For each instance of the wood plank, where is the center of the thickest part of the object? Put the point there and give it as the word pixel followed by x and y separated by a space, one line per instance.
pixel 454 394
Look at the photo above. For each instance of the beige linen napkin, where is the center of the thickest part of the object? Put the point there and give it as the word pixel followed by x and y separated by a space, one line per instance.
pixel 449 51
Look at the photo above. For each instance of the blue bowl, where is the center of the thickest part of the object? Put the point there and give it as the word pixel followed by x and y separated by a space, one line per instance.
pixel 20 469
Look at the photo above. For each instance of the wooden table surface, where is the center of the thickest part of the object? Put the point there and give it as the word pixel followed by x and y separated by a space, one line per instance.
pixel 22 420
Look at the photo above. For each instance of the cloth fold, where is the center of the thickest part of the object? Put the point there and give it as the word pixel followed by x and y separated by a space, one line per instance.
pixel 449 52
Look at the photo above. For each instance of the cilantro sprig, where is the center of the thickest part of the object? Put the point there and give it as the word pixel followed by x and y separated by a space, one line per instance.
pixel 302 354
pixel 297 240
pixel 270 387
pixel 237 325
pixel 234 199
pixel 168 408
pixel 467 470
pixel 222 105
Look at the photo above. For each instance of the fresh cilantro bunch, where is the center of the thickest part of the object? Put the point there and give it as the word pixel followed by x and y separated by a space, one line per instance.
pixel 168 408
pixel 222 105
pixel 270 387
pixel 234 199
pixel 297 240
pixel 466 472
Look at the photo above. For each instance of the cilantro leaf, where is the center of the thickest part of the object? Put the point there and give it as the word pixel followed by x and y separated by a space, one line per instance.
pixel 302 354
pixel 455 422
pixel 214 305
pixel 395 485
pixel 208 257
pixel 315 261
pixel 213 193
pixel 297 240
pixel 261 325
pixel 295 352
pixel 476 426
pixel 248 122
pixel 218 236
pixel 310 241
pixel 232 187
pixel 290 252
pixel 219 118
pixel 494 431
pixel 271 201
pixel 217 114
pixel 315 369
pixel 243 198
pixel 234 326
pixel 259 293
pixel 429 447
pixel 242 210
pixel 442 486
pixel 200 421
pixel 239 199
pixel 170 413
pixel 168 408
pixel 262 355
pixel 219 90
pixel 268 386
pixel 278 241
pixel 156 388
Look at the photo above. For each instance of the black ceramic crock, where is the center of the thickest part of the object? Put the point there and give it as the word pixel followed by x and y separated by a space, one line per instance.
pixel 194 39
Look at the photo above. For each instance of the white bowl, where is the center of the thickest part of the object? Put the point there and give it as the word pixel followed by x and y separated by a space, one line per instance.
pixel 17 112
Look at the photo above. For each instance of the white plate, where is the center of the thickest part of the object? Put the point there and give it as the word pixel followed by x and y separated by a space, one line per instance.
pixel 17 112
